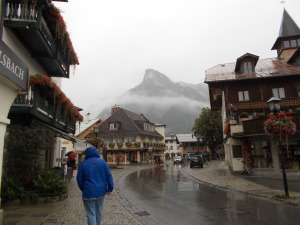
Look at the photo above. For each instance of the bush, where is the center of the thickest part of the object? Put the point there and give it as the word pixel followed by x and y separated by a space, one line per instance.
pixel 49 183
pixel 244 115
pixel 11 189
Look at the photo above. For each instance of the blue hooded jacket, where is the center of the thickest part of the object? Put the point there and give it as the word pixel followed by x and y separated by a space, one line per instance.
pixel 94 177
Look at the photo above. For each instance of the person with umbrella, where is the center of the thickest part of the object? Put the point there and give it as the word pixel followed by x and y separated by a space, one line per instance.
pixel 71 161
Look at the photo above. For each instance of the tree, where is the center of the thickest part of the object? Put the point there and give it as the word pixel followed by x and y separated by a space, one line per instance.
pixel 209 126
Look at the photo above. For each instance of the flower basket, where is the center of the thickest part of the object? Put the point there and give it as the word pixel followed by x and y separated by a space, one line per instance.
pixel 96 141
pixel 279 126
pixel 111 145
pixel 120 144
pixel 226 129
pixel 128 144
pixel 137 144
pixel 146 144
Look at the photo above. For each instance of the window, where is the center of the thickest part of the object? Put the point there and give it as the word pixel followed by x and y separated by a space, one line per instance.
pixel 171 147
pixel 293 43
pixel 119 139
pixel 113 126
pixel 286 44
pixel 243 96
pixel 131 138
pixel 247 67
pixel 108 140
pixel 171 142
pixel 148 127
pixel 298 42
pixel 278 92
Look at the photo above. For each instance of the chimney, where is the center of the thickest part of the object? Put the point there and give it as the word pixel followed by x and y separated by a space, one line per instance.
pixel 114 109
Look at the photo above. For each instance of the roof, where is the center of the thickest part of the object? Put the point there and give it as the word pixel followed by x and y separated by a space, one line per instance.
pixel 288 28
pixel 270 67
pixel 82 126
pixel 186 138
pixel 130 122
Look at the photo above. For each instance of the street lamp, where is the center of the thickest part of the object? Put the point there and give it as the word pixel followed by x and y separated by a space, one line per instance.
pixel 274 105
pixel 198 136
pixel 104 149
pixel 96 130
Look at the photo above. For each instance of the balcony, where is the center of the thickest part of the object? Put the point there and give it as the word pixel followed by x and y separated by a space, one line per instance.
pixel 40 106
pixel 256 126
pixel 136 146
pixel 263 105
pixel 34 26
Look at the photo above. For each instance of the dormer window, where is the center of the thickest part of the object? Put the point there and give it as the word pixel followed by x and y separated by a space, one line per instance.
pixel 148 127
pixel 114 126
pixel 247 67
pixel 246 63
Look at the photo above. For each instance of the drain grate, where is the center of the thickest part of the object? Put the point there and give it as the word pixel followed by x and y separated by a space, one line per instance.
pixel 235 211
pixel 142 213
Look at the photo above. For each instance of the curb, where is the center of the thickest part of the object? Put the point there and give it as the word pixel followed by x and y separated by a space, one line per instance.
pixel 237 190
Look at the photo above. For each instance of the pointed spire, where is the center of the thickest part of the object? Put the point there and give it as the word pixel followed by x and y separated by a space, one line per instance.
pixel 288 29
pixel 288 26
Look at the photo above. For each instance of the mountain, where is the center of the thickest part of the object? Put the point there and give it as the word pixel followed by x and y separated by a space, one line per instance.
pixel 163 101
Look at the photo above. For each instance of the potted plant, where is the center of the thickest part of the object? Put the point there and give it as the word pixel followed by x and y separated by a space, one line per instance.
pixel 255 115
pixel 128 143
pixel 244 116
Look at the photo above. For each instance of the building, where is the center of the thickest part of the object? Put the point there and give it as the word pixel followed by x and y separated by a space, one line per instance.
pixel 172 147
pixel 130 137
pixel 34 59
pixel 83 129
pixel 189 144
pixel 243 87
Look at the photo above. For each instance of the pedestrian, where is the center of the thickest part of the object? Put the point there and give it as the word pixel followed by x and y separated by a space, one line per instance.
pixel 95 181
pixel 71 163
pixel 157 159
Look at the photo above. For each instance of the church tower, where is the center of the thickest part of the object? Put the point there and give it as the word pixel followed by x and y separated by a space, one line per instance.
pixel 288 40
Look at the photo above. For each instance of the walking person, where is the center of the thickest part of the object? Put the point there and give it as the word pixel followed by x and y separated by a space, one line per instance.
pixel 157 159
pixel 95 181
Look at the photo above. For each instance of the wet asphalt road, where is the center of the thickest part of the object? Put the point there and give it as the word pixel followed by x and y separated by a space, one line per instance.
pixel 174 198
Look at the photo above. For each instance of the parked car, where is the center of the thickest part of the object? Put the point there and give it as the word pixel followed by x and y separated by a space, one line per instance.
pixel 178 159
pixel 196 161
pixel 190 155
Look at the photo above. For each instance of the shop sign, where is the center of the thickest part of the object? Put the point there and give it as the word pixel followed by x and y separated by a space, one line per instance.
pixel 13 68
pixel 296 152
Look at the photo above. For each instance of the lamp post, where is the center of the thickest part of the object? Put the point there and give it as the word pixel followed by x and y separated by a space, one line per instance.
pixel 274 105
pixel 104 149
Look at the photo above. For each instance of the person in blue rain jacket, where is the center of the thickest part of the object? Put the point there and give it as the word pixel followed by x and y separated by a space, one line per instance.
pixel 95 181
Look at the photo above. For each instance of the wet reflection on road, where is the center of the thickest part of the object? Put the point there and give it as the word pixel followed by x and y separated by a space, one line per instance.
pixel 168 194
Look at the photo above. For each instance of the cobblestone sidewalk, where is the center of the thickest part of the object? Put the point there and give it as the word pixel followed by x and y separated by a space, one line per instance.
pixel 218 174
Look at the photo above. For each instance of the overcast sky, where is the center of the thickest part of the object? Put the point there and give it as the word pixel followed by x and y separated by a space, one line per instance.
pixel 117 40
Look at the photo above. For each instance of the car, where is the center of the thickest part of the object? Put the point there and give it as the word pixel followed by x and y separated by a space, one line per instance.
pixel 178 159
pixel 189 155
pixel 196 161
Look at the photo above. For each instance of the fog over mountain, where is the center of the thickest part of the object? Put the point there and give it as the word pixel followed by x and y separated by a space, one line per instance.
pixel 163 101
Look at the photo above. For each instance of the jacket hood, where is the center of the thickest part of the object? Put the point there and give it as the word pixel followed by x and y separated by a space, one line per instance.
pixel 91 152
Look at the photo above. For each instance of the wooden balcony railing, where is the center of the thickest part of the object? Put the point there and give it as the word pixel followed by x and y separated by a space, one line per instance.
pixel 263 105
pixel 136 145
pixel 256 126
pixel 25 19
pixel 38 105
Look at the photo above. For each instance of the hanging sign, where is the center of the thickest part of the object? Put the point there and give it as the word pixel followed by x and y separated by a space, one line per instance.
pixel 13 68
